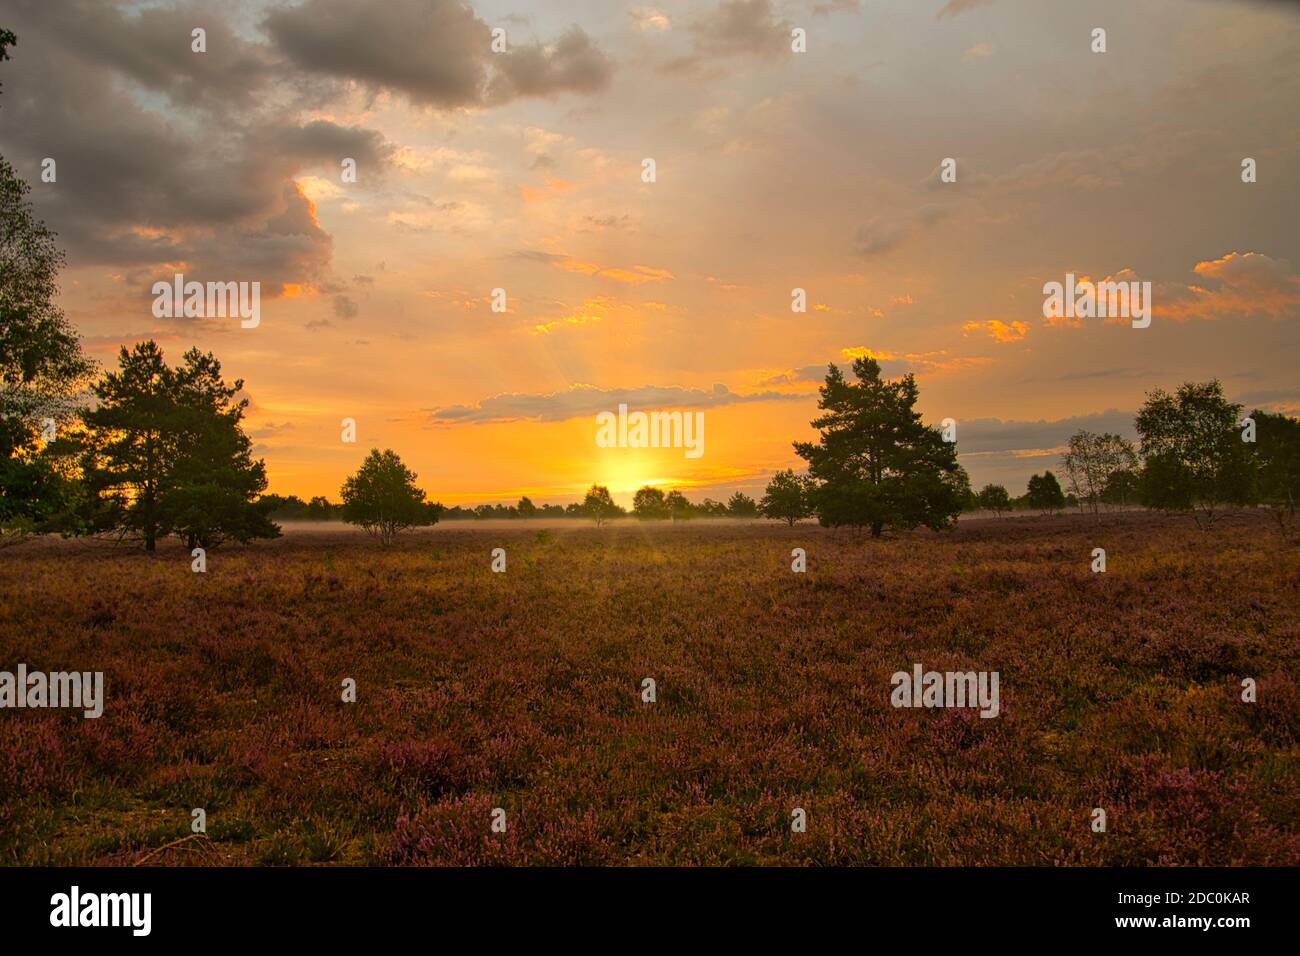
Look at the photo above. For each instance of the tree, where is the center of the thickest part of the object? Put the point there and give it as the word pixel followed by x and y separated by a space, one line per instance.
pixel 649 504
pixel 1091 461
pixel 213 486
pixel 382 497
pixel 1277 457
pixel 994 498
pixel 319 509
pixel 788 497
pixel 43 372
pixel 164 452
pixel 525 508
pixel 876 463
pixel 7 39
pixel 1193 454
pixel 599 505
pixel 1121 487
pixel 131 444
pixel 1044 493
pixel 741 505
pixel 712 509
pixel 679 509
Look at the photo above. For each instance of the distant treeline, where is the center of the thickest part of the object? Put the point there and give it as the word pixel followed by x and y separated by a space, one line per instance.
pixel 670 506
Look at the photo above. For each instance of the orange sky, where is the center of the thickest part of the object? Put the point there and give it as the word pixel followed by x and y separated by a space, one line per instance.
pixel 775 171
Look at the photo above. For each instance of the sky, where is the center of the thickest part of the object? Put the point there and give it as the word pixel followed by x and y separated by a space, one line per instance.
pixel 774 170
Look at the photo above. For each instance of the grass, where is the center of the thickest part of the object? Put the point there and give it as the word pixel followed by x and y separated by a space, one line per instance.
pixel 522 691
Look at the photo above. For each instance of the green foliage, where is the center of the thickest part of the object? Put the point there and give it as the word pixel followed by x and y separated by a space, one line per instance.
pixel 7 39
pixel 1044 493
pixel 1194 458
pixel 42 368
pixel 1092 463
pixel 164 452
pixel 788 497
pixel 382 497
pixel 876 463
pixel 740 505
pixel 994 498
pixel 1277 458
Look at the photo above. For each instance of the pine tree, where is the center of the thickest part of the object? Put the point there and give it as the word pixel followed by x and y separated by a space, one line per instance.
pixel 876 463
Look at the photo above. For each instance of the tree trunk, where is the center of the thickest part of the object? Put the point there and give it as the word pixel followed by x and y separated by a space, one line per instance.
pixel 876 528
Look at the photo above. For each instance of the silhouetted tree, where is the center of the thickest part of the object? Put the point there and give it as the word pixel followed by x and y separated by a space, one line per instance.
pixel 382 497
pixel 42 369
pixel 599 505
pixel 788 497
pixel 994 498
pixel 1044 493
pixel 876 463
pixel 678 508
pixel 649 504
pixel 1193 453
pixel 163 452
pixel 740 505
pixel 1091 462
pixel 1277 457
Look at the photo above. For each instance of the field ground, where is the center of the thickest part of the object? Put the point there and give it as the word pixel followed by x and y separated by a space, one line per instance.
pixel 521 690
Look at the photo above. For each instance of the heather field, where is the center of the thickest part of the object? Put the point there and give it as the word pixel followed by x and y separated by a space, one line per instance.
pixel 520 690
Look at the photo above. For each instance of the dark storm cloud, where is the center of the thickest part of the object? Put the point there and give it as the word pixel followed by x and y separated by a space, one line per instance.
pixel 153 48
pixel 169 157
pixel 144 187
pixel 436 52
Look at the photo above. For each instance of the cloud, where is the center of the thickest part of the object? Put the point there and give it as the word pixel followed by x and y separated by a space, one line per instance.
pixel 999 331
pixel 892 365
pixel 979 436
pixel 882 233
pixel 435 52
pixel 143 188
pixel 650 20
pixel 573 64
pixel 736 28
pixel 1236 285
pixel 345 307
pixel 152 47
pixel 636 275
pixel 325 143
pixel 836 6
pixel 953 7
pixel 579 401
